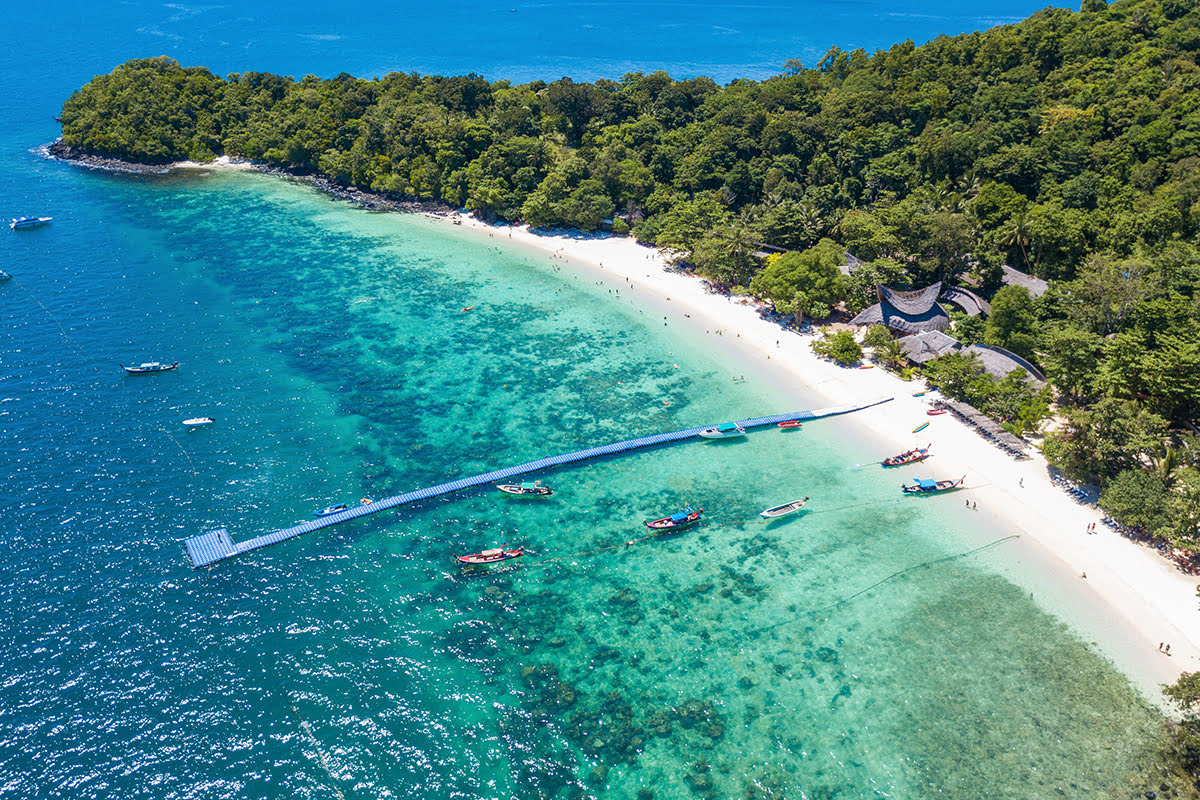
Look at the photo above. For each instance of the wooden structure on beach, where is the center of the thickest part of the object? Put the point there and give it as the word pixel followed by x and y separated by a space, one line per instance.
pixel 214 546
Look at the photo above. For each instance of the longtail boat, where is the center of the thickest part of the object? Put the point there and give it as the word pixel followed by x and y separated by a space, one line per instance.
pixel 490 556
pixel 927 486
pixel 908 457
pixel 680 519
pixel 786 508
pixel 534 489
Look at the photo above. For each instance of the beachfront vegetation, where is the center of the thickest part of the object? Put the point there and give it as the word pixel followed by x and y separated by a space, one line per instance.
pixel 1067 146
pixel 841 346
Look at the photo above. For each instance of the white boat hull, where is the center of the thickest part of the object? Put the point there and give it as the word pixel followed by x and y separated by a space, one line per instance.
pixel 713 433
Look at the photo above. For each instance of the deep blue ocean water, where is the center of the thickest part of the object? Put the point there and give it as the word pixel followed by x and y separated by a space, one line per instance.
pixel 737 660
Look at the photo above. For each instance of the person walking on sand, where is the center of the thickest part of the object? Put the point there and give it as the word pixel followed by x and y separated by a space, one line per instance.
pixel 1160 644
pixel 1167 650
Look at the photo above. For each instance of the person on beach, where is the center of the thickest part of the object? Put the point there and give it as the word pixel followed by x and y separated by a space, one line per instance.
pixel 1160 644
pixel 1167 650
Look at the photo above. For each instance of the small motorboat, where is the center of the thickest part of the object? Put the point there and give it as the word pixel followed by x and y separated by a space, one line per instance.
pixel 4 276
pixel 936 412
pixel 786 508
pixel 327 510
pixel 788 424
pixel 680 519
pixel 908 457
pixel 726 430
pixel 149 366
pixel 490 556
pixel 196 422
pixel 924 486
pixel 21 223
pixel 921 427
pixel 534 489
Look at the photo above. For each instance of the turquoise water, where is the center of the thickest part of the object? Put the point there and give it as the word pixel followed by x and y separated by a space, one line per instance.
pixel 743 659
pixel 851 652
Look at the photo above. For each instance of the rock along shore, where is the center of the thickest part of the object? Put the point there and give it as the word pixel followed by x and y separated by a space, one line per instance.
pixel 370 200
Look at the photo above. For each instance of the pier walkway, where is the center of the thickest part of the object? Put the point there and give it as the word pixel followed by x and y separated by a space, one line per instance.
pixel 214 546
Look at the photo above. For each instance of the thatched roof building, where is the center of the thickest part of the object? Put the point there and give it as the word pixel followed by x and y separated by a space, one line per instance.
pixel 907 312
pixel 972 304
pixel 922 347
pixel 1012 277
pixel 996 361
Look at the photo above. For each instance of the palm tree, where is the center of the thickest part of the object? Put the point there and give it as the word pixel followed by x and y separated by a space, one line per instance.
pixel 889 353
pixel 1017 235
pixel 1166 464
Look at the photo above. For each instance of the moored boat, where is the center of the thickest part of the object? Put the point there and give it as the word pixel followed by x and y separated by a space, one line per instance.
pixel 534 489
pixel 680 519
pixel 491 556
pixel 929 486
pixel 21 223
pixel 907 457
pixel 195 422
pixel 791 423
pixel 150 366
pixel 786 508
pixel 726 430
pixel 327 510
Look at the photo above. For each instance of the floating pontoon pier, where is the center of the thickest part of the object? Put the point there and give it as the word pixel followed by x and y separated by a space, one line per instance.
pixel 214 546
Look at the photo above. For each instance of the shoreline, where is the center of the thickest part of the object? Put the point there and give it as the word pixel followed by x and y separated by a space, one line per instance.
pixel 1131 598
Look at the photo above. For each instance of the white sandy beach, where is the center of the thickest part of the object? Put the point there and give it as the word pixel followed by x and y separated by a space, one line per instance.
pixel 1131 598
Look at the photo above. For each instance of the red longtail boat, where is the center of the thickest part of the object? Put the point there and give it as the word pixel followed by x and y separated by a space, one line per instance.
pixel 910 457
pixel 490 556
pixel 679 519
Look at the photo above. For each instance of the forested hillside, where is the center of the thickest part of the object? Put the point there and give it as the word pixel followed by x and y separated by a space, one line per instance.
pixel 1067 146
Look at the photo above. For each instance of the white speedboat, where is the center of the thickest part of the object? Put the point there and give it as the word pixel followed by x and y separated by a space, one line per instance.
pixel 196 422
pixel 21 223
pixel 726 430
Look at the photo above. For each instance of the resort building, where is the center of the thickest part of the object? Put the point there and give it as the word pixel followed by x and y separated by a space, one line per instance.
pixel 906 312
pixel 996 361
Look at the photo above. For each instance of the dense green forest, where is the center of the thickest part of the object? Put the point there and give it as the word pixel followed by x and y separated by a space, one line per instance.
pixel 1067 146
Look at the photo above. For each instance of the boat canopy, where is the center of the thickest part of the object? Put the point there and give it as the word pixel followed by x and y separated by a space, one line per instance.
pixel 529 486
pixel 678 516
pixel 727 426
pixel 926 483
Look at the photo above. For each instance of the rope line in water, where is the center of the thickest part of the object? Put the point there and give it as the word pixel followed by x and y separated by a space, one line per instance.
pixel 897 574
pixel 320 753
